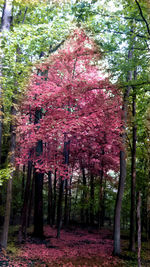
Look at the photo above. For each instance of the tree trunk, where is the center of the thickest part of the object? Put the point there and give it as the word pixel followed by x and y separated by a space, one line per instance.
pixel 100 219
pixel 69 215
pixel 59 207
pixel 4 236
pixel 38 205
pixel 5 27
pixel 23 183
pixel 24 213
pixel 117 214
pixel 84 194
pixel 103 202
pixel 54 200
pixel 133 180
pixel 7 15
pixel 66 211
pixel 38 193
pixel 1 217
pixel 61 189
pixel 139 228
pixel 31 200
pixel 75 202
pixel 50 199
pixel 92 200
pixel 119 203
pixel 148 228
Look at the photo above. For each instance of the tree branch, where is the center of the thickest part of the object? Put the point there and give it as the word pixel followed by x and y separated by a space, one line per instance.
pixel 135 85
pixel 119 32
pixel 53 49
pixel 24 15
pixel 141 13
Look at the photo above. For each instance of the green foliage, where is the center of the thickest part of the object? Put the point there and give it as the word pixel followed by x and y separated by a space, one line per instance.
pixel 37 30
pixel 82 10
pixel 6 174
pixel 39 27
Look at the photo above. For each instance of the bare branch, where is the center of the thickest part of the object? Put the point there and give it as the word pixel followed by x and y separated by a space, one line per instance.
pixel 141 13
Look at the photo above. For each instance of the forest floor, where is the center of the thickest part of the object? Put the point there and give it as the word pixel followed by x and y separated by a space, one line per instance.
pixel 76 247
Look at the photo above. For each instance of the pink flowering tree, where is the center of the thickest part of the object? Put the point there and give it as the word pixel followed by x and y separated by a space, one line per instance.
pixel 80 113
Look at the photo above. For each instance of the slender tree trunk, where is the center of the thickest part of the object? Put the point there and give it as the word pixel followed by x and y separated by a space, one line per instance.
pixel 139 228
pixel 100 220
pixel 54 200
pixel 66 211
pixel 149 228
pixel 119 203
pixel 84 194
pixel 75 202
pixel 7 15
pixel 59 207
pixel 4 236
pixel 23 183
pixel 5 27
pixel 103 202
pixel 50 199
pixel 70 194
pixel 31 200
pixel 1 217
pixel 117 214
pixel 92 200
pixel 38 205
pixel 38 200
pixel 38 193
pixel 24 15
pixel 61 189
pixel 133 179
pixel 24 213
pixel 148 210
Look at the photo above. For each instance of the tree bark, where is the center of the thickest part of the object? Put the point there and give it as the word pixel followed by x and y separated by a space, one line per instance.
pixel 70 194
pixel 4 237
pixel 1 217
pixel 66 211
pixel 50 199
pixel 100 219
pixel 5 27
pixel 54 200
pixel 38 205
pixel 38 193
pixel 61 188
pixel 31 200
pixel 6 16
pixel 92 200
pixel 117 215
pixel 23 183
pixel 119 203
pixel 139 228
pixel 24 213
pixel 59 207
pixel 84 215
pixel 133 178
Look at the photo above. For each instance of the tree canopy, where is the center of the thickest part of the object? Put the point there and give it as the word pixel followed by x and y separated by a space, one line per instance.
pixel 74 103
pixel 77 103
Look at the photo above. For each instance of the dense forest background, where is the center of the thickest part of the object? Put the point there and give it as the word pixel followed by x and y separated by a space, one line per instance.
pixel 115 196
